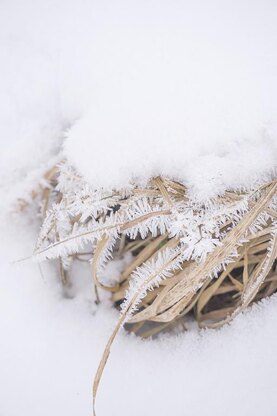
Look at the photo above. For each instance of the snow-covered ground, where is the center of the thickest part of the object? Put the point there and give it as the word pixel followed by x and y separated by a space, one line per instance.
pixel 50 347
pixel 202 110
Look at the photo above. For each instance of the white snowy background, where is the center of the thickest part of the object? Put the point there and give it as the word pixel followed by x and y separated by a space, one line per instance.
pixel 134 89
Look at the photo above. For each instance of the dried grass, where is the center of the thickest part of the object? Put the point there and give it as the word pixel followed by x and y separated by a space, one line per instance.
pixel 190 293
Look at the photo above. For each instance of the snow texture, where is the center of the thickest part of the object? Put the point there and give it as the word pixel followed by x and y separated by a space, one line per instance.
pixel 51 344
pixel 183 89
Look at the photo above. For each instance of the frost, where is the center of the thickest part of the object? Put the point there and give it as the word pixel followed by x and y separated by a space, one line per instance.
pixel 95 219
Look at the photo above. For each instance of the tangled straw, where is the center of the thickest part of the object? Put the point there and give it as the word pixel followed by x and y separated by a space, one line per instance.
pixel 186 259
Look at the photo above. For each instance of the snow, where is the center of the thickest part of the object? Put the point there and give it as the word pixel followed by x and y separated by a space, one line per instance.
pixel 136 89
pixel 186 94
pixel 139 89
pixel 51 344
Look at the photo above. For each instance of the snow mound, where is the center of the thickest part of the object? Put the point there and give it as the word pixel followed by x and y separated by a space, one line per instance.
pixel 188 91
pixel 182 89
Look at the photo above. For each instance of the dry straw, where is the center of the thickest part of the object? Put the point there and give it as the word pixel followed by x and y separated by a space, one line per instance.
pixel 165 288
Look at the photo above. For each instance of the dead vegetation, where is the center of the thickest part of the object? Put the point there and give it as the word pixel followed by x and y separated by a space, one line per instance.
pixel 168 289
